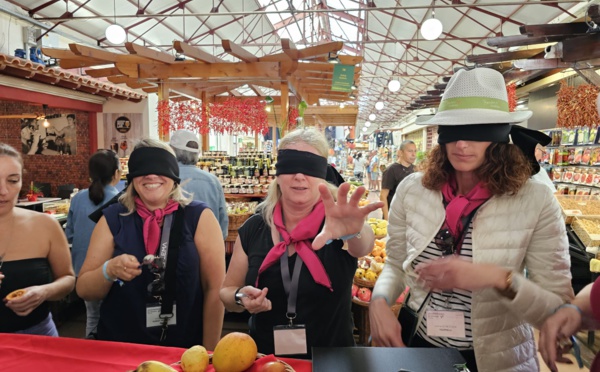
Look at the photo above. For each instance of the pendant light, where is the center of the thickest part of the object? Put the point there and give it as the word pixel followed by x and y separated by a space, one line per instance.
pixel 394 85
pixel 432 28
pixel 372 117
pixel 379 105
pixel 115 34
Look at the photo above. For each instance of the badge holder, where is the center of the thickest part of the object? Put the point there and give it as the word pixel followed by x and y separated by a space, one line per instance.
pixel 290 339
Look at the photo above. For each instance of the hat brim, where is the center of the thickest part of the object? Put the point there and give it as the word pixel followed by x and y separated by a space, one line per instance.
pixel 476 116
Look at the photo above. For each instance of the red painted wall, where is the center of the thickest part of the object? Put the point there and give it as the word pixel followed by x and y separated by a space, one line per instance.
pixel 57 169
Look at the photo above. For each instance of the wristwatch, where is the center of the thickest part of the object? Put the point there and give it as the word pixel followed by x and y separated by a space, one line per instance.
pixel 238 297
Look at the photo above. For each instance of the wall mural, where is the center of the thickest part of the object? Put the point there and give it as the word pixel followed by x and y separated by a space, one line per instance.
pixel 55 135
pixel 122 131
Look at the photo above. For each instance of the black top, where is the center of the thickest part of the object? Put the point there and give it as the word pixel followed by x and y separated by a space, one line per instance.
pixel 327 315
pixel 392 177
pixel 21 274
pixel 123 310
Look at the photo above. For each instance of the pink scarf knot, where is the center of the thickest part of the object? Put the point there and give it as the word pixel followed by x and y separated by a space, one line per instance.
pixel 152 221
pixel 460 206
pixel 301 236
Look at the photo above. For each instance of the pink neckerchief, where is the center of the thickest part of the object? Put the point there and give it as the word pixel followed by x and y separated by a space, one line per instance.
pixel 152 221
pixel 460 206
pixel 301 236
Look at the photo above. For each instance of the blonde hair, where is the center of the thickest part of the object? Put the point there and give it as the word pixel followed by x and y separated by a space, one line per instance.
pixel 307 135
pixel 177 194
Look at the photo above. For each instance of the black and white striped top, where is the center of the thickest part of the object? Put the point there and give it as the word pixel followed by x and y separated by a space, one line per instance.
pixel 458 299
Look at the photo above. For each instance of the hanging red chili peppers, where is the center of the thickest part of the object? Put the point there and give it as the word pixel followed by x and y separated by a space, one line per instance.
pixel 511 90
pixel 576 106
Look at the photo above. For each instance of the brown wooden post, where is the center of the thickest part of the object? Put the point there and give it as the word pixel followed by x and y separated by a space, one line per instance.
pixel 163 94
pixel 284 105
pixel 205 104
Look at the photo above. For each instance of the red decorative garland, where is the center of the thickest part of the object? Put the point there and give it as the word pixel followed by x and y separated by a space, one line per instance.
pixel 293 116
pixel 233 116
pixel 511 90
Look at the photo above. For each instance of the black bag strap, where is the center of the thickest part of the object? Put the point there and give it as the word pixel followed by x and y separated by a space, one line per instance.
pixel 168 297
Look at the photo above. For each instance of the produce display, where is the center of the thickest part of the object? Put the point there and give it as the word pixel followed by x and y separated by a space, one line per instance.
pixel 379 226
pixel 234 208
pixel 578 205
pixel 235 352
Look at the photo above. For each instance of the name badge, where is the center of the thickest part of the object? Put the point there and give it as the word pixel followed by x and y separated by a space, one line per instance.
pixel 290 339
pixel 153 316
pixel 445 323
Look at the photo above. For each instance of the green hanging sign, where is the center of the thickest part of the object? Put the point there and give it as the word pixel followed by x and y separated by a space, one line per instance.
pixel 343 78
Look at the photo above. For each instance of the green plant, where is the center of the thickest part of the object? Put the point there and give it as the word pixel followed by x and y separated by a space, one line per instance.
pixel 34 190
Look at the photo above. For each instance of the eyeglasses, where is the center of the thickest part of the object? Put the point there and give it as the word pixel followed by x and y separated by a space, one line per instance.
pixel 445 242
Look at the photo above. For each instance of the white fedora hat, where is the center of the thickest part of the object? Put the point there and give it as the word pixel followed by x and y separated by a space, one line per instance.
pixel 476 96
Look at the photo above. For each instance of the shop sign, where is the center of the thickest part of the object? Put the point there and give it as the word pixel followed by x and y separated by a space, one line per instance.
pixel 122 124
pixel 343 78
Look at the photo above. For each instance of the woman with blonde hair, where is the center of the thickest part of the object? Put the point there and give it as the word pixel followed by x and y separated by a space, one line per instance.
pixel 156 259
pixel 289 268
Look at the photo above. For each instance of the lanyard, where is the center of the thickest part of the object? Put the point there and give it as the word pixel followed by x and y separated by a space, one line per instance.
pixel 164 239
pixel 290 285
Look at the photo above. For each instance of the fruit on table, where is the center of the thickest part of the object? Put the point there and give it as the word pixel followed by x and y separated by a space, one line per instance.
pixel 364 294
pixel 370 275
pixel 194 359
pixel 235 352
pixel 379 226
pixel 354 290
pixel 154 366
pixel 275 366
pixel 15 294
pixel 359 274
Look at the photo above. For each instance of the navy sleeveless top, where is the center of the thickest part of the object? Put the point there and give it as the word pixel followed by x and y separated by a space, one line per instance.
pixel 21 274
pixel 123 310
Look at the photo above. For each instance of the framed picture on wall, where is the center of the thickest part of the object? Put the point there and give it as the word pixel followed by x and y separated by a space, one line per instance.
pixel 54 135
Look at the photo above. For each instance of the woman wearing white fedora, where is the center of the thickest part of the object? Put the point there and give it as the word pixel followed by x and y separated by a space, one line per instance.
pixel 463 232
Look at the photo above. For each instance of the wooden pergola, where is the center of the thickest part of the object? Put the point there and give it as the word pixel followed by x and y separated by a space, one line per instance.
pixel 301 74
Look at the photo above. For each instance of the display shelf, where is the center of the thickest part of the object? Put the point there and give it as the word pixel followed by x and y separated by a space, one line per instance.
pixel 244 196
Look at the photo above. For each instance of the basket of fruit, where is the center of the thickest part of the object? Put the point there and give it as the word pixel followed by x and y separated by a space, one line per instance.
pixel 379 227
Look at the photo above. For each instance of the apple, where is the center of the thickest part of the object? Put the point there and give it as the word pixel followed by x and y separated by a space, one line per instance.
pixel 354 290
pixel 275 366
pixel 364 294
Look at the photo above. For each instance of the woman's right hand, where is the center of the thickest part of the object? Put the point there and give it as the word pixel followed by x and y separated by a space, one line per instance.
pixel 565 322
pixel 385 328
pixel 255 300
pixel 125 267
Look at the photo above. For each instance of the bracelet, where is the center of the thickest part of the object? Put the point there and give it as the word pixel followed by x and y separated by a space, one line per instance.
pixel 108 278
pixel 345 237
pixel 571 306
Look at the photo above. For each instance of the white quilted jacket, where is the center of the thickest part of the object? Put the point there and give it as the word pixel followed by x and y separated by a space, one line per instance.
pixel 522 231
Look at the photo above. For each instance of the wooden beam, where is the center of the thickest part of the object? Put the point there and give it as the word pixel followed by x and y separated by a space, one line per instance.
pixel 555 29
pixel 256 89
pixel 540 64
pixel 129 69
pixel 195 53
pixel 101 54
pixel 237 51
pixel 102 72
pixel 582 48
pixel 148 53
pixel 68 64
pixel 521 40
pixel 505 56
pixel 321 49
pixel 259 70
pixel 289 48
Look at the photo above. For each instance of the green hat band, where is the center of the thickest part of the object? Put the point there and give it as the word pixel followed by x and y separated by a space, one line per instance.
pixel 461 103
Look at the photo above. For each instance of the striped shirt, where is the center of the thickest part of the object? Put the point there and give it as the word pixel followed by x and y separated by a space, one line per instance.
pixel 457 300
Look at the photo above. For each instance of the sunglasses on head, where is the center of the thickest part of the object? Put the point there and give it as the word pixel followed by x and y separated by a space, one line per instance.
pixel 445 242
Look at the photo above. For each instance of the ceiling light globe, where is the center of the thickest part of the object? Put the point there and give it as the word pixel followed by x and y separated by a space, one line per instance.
pixel 364 129
pixel 367 124
pixel 379 106
pixel 394 85
pixel 115 34
pixel 342 105
pixel 372 117
pixel 431 29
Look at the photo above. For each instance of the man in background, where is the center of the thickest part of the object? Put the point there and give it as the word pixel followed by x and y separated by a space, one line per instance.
pixel 202 185
pixel 395 173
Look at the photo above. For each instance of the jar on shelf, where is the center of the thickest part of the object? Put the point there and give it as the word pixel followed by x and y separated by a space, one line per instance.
pixel 234 189
pixel 257 188
pixel 226 179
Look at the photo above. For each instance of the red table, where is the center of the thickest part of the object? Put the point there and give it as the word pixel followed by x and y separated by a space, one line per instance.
pixel 31 353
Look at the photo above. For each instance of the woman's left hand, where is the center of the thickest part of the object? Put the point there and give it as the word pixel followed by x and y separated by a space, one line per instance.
pixel 24 305
pixel 453 272
pixel 343 217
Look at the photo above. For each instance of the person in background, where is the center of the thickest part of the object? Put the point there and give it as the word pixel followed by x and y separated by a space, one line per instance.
pixel 542 175
pixel 582 313
pixel 202 185
pixel 167 296
pixel 69 136
pixel 300 226
pixel 34 257
pixel 374 171
pixel 463 232
pixel 104 171
pixel 395 173
pixel 359 167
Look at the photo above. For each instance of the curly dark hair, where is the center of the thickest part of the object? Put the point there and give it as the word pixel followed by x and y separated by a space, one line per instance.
pixel 504 170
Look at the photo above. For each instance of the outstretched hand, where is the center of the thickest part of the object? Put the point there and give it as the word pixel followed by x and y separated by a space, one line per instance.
pixel 342 217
